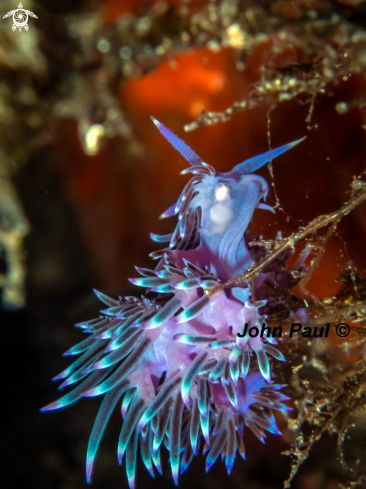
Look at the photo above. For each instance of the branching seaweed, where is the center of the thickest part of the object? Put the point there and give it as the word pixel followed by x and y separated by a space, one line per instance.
pixel 359 195
pixel 326 406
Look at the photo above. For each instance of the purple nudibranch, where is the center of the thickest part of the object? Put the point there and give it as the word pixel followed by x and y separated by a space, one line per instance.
pixel 173 361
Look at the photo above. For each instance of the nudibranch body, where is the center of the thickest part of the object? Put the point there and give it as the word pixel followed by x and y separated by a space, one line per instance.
pixel 174 361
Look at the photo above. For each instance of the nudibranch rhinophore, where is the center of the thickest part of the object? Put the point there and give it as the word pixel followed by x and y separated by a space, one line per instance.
pixel 174 360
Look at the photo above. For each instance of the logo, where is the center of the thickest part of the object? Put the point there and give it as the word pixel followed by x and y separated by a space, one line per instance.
pixel 20 18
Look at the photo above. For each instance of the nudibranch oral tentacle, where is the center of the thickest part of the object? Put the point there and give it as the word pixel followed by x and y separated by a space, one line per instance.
pixel 177 361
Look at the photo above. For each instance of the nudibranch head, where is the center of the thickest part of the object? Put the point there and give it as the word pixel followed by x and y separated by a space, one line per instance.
pixel 176 361
pixel 216 208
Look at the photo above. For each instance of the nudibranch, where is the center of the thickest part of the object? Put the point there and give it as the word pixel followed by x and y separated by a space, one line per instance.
pixel 173 359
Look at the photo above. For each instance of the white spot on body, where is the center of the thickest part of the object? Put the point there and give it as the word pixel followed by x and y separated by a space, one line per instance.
pixel 222 192
pixel 221 213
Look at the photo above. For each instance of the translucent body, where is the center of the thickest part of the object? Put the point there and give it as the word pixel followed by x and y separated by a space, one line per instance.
pixel 175 359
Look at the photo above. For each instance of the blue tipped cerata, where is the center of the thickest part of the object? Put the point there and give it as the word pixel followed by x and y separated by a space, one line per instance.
pixel 172 359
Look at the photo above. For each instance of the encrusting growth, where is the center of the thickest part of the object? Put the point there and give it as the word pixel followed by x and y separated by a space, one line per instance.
pixel 174 360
